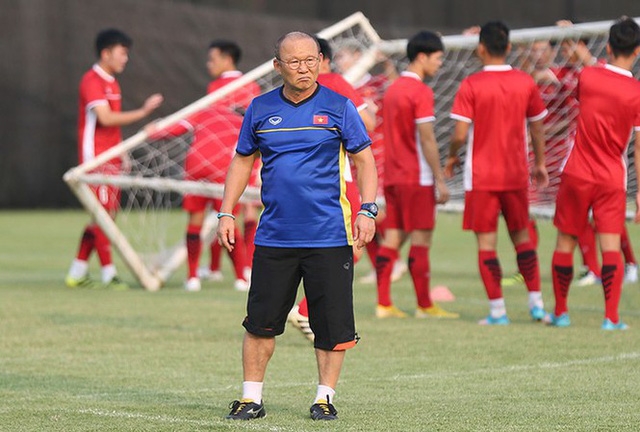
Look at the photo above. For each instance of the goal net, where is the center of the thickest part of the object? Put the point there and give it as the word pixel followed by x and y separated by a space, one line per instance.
pixel 553 56
pixel 149 230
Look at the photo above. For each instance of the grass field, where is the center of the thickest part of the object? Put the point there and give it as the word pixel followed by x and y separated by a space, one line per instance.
pixel 92 360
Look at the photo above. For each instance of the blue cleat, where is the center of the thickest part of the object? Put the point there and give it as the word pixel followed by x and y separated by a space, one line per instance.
pixel 502 320
pixel 538 314
pixel 607 324
pixel 560 321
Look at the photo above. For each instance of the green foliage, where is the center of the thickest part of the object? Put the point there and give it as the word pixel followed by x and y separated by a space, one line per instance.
pixel 95 360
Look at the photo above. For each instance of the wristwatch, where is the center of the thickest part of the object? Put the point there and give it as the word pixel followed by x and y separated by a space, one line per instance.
pixel 370 207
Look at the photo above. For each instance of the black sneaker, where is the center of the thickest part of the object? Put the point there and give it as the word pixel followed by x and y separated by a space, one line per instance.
pixel 245 409
pixel 323 410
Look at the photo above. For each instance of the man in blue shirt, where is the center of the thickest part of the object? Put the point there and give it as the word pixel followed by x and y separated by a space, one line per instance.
pixel 302 131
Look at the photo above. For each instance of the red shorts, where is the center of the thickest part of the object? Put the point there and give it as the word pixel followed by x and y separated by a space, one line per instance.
pixel 109 196
pixel 197 203
pixel 576 197
pixel 410 208
pixel 482 209
pixel 353 195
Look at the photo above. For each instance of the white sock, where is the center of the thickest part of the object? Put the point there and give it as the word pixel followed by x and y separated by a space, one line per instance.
pixel 535 299
pixel 252 390
pixel 497 308
pixel 325 392
pixel 108 272
pixel 78 269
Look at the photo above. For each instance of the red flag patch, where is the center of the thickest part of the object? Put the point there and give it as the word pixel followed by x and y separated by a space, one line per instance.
pixel 320 119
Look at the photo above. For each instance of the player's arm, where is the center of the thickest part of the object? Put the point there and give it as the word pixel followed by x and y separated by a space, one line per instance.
pixel 458 139
pixel 536 129
pixel 431 153
pixel 107 117
pixel 368 118
pixel 367 178
pixel 636 159
pixel 237 179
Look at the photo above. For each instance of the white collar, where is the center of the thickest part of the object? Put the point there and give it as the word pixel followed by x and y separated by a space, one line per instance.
pixel 619 70
pixel 103 73
pixel 497 68
pixel 411 75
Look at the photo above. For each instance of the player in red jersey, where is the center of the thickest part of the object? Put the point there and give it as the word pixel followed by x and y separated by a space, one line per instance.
pixel 299 315
pixel 594 177
pixel 372 89
pixel 223 58
pixel 414 182
pixel 99 120
pixel 498 101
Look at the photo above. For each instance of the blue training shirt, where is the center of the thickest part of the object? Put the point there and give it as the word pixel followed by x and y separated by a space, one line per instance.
pixel 303 149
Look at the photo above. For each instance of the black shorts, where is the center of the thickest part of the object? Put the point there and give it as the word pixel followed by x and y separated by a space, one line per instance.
pixel 327 275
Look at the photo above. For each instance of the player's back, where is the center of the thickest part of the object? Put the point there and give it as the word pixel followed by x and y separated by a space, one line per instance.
pixel 239 99
pixel 609 110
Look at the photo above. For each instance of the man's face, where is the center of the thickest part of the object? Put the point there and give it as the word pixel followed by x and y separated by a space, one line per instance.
pixel 114 59
pixel 218 62
pixel 345 59
pixel 432 63
pixel 298 50
pixel 541 54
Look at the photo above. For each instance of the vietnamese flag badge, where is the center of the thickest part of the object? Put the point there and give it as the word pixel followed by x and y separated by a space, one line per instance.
pixel 320 119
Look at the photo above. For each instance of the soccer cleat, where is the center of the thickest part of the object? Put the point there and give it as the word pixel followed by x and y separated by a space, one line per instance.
pixel 631 273
pixel 490 320
pixel 241 285
pixel 323 410
pixel 210 275
pixel 399 269
pixel 435 311
pixel 245 409
pixel 369 278
pixel 561 320
pixel 515 279
pixel 538 314
pixel 116 284
pixel 300 322
pixel 83 282
pixel 607 324
pixel 586 279
pixel 192 285
pixel 389 312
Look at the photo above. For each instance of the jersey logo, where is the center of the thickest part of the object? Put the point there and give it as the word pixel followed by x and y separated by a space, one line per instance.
pixel 320 119
pixel 275 120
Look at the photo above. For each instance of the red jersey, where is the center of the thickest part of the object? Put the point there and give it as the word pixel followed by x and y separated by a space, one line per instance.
pixel 609 110
pixel 97 87
pixel 407 102
pixel 498 101
pixel 239 99
pixel 215 133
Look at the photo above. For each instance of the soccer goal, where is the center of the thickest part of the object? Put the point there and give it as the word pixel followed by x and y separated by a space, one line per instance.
pixel 149 230
pixel 549 54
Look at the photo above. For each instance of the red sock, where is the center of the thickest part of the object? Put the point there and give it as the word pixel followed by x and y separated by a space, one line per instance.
pixel 533 233
pixel 216 251
pixel 239 255
pixel 384 266
pixel 194 248
pixel 419 269
pixel 528 265
pixel 103 246
pixel 587 243
pixel 372 251
pixel 627 250
pixel 562 274
pixel 612 276
pixel 303 309
pixel 491 273
pixel 249 236
pixel 87 243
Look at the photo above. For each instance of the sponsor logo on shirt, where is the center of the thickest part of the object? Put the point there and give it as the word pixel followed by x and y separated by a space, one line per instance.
pixel 275 120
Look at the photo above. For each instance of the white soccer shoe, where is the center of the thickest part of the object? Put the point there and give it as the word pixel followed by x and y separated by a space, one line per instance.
pixel 588 279
pixel 192 285
pixel 210 275
pixel 300 322
pixel 399 269
pixel 241 285
pixel 631 273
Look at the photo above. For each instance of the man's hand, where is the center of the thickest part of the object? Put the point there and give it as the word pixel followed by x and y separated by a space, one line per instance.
pixel 442 192
pixel 541 176
pixel 152 102
pixel 637 218
pixel 226 232
pixel 450 166
pixel 363 230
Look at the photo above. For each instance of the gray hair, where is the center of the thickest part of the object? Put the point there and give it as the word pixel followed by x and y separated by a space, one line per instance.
pixel 293 35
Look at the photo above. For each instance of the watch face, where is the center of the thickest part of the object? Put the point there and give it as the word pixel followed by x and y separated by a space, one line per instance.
pixel 370 207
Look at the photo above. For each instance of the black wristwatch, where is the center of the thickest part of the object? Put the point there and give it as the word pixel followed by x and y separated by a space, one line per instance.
pixel 370 207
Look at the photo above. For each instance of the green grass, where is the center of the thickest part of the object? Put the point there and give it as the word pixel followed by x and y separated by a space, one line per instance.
pixel 81 360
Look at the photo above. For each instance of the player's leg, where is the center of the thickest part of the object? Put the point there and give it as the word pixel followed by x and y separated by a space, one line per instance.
pixel 250 221
pixel 630 263
pixel 517 278
pixel 195 206
pixel 110 199
pixel 78 275
pixel 589 252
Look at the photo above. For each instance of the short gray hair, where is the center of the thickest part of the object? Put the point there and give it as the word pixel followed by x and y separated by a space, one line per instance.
pixel 293 35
